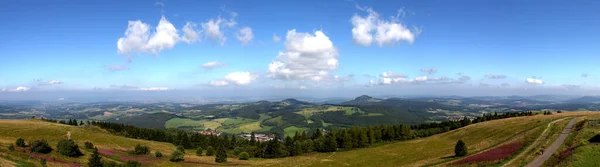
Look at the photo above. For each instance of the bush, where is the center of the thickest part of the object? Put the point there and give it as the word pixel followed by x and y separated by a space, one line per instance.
pixel 176 156
pixel 132 163
pixel 199 152
pixel 181 149
pixel 20 142
pixel 95 160
pixel 43 162
pixel 68 148
pixel 157 154
pixel 141 150
pixel 244 156
pixel 11 147
pixel 210 151
pixel 460 149
pixel 40 146
pixel 89 145
pixel 221 156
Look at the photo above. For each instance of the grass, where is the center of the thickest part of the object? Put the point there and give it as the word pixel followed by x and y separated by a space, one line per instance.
pixel 428 150
pixel 275 121
pixel 291 131
pixel 237 121
pixel 584 154
pixel 179 122
pixel 307 112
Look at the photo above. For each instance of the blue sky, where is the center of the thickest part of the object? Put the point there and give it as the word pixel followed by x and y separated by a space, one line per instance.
pixel 325 48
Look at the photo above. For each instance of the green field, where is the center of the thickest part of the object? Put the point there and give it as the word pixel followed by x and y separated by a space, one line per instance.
pixel 291 131
pixel 178 122
pixel 307 112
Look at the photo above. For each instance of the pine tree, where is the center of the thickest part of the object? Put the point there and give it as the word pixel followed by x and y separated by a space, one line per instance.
pixel 460 149
pixel 95 160
pixel 317 134
pixel 252 139
pixel 330 143
pixel 297 148
pixel 221 156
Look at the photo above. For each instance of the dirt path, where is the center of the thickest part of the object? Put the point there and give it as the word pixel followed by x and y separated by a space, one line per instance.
pixel 539 161
pixel 531 146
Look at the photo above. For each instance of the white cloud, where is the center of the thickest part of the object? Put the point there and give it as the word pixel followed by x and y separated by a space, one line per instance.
pixel 60 99
pixel 124 86
pixel 306 57
pixel 218 83
pixel 240 78
pixel 534 80
pixel 421 79
pixel 245 35
pixel 386 32
pixel 495 76
pixel 213 28
pixel 302 87
pixel 52 82
pixel 429 70
pixel 190 34
pixel 212 64
pixel 276 38
pixel 17 89
pixel 155 89
pixel 139 39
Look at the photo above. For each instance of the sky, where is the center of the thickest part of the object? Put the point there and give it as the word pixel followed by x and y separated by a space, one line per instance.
pixel 339 48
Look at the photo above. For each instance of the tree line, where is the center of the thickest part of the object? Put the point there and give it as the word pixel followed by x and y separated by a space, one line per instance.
pixel 318 140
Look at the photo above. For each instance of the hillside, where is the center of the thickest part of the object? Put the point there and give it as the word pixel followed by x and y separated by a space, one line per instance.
pixel 406 153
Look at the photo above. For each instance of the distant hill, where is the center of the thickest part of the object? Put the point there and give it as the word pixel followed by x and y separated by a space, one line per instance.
pixel 155 120
pixel 362 100
pixel 586 99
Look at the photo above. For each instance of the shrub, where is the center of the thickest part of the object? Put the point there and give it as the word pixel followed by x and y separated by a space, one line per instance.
pixel 181 149
pixel 199 152
pixel 132 163
pixel 40 146
pixel 43 162
pixel 176 156
pixel 95 160
pixel 157 154
pixel 111 164
pixel 89 145
pixel 460 149
pixel 244 156
pixel 20 142
pixel 68 148
pixel 221 155
pixel 210 151
pixel 11 147
pixel 141 150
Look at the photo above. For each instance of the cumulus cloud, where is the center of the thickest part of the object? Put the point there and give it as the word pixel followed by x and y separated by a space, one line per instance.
pixel 139 39
pixel 218 83
pixel 60 99
pixel 306 57
pixel 17 89
pixel 421 79
pixel 245 35
pixel 373 27
pixel 429 70
pixel 276 38
pixel 52 82
pixel 534 80
pixel 585 75
pixel 495 76
pixel 444 78
pixel 212 64
pixel 213 28
pixel 240 78
pixel 190 33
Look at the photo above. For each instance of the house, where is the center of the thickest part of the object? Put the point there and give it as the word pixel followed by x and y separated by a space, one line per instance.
pixel 259 137
pixel 211 132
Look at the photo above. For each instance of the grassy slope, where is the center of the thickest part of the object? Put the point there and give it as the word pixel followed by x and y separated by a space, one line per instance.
pixel 427 150
pixel 585 154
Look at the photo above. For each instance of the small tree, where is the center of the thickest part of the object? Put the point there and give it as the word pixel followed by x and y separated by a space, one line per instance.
pixel 221 155
pixel 177 156
pixel 199 152
pixel 40 146
pixel 141 150
pixel 11 147
pixel 460 149
pixel 68 148
pixel 132 163
pixel 158 154
pixel 244 156
pixel 95 160
pixel 89 145
pixel 210 151
pixel 181 149
pixel 43 162
pixel 20 142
